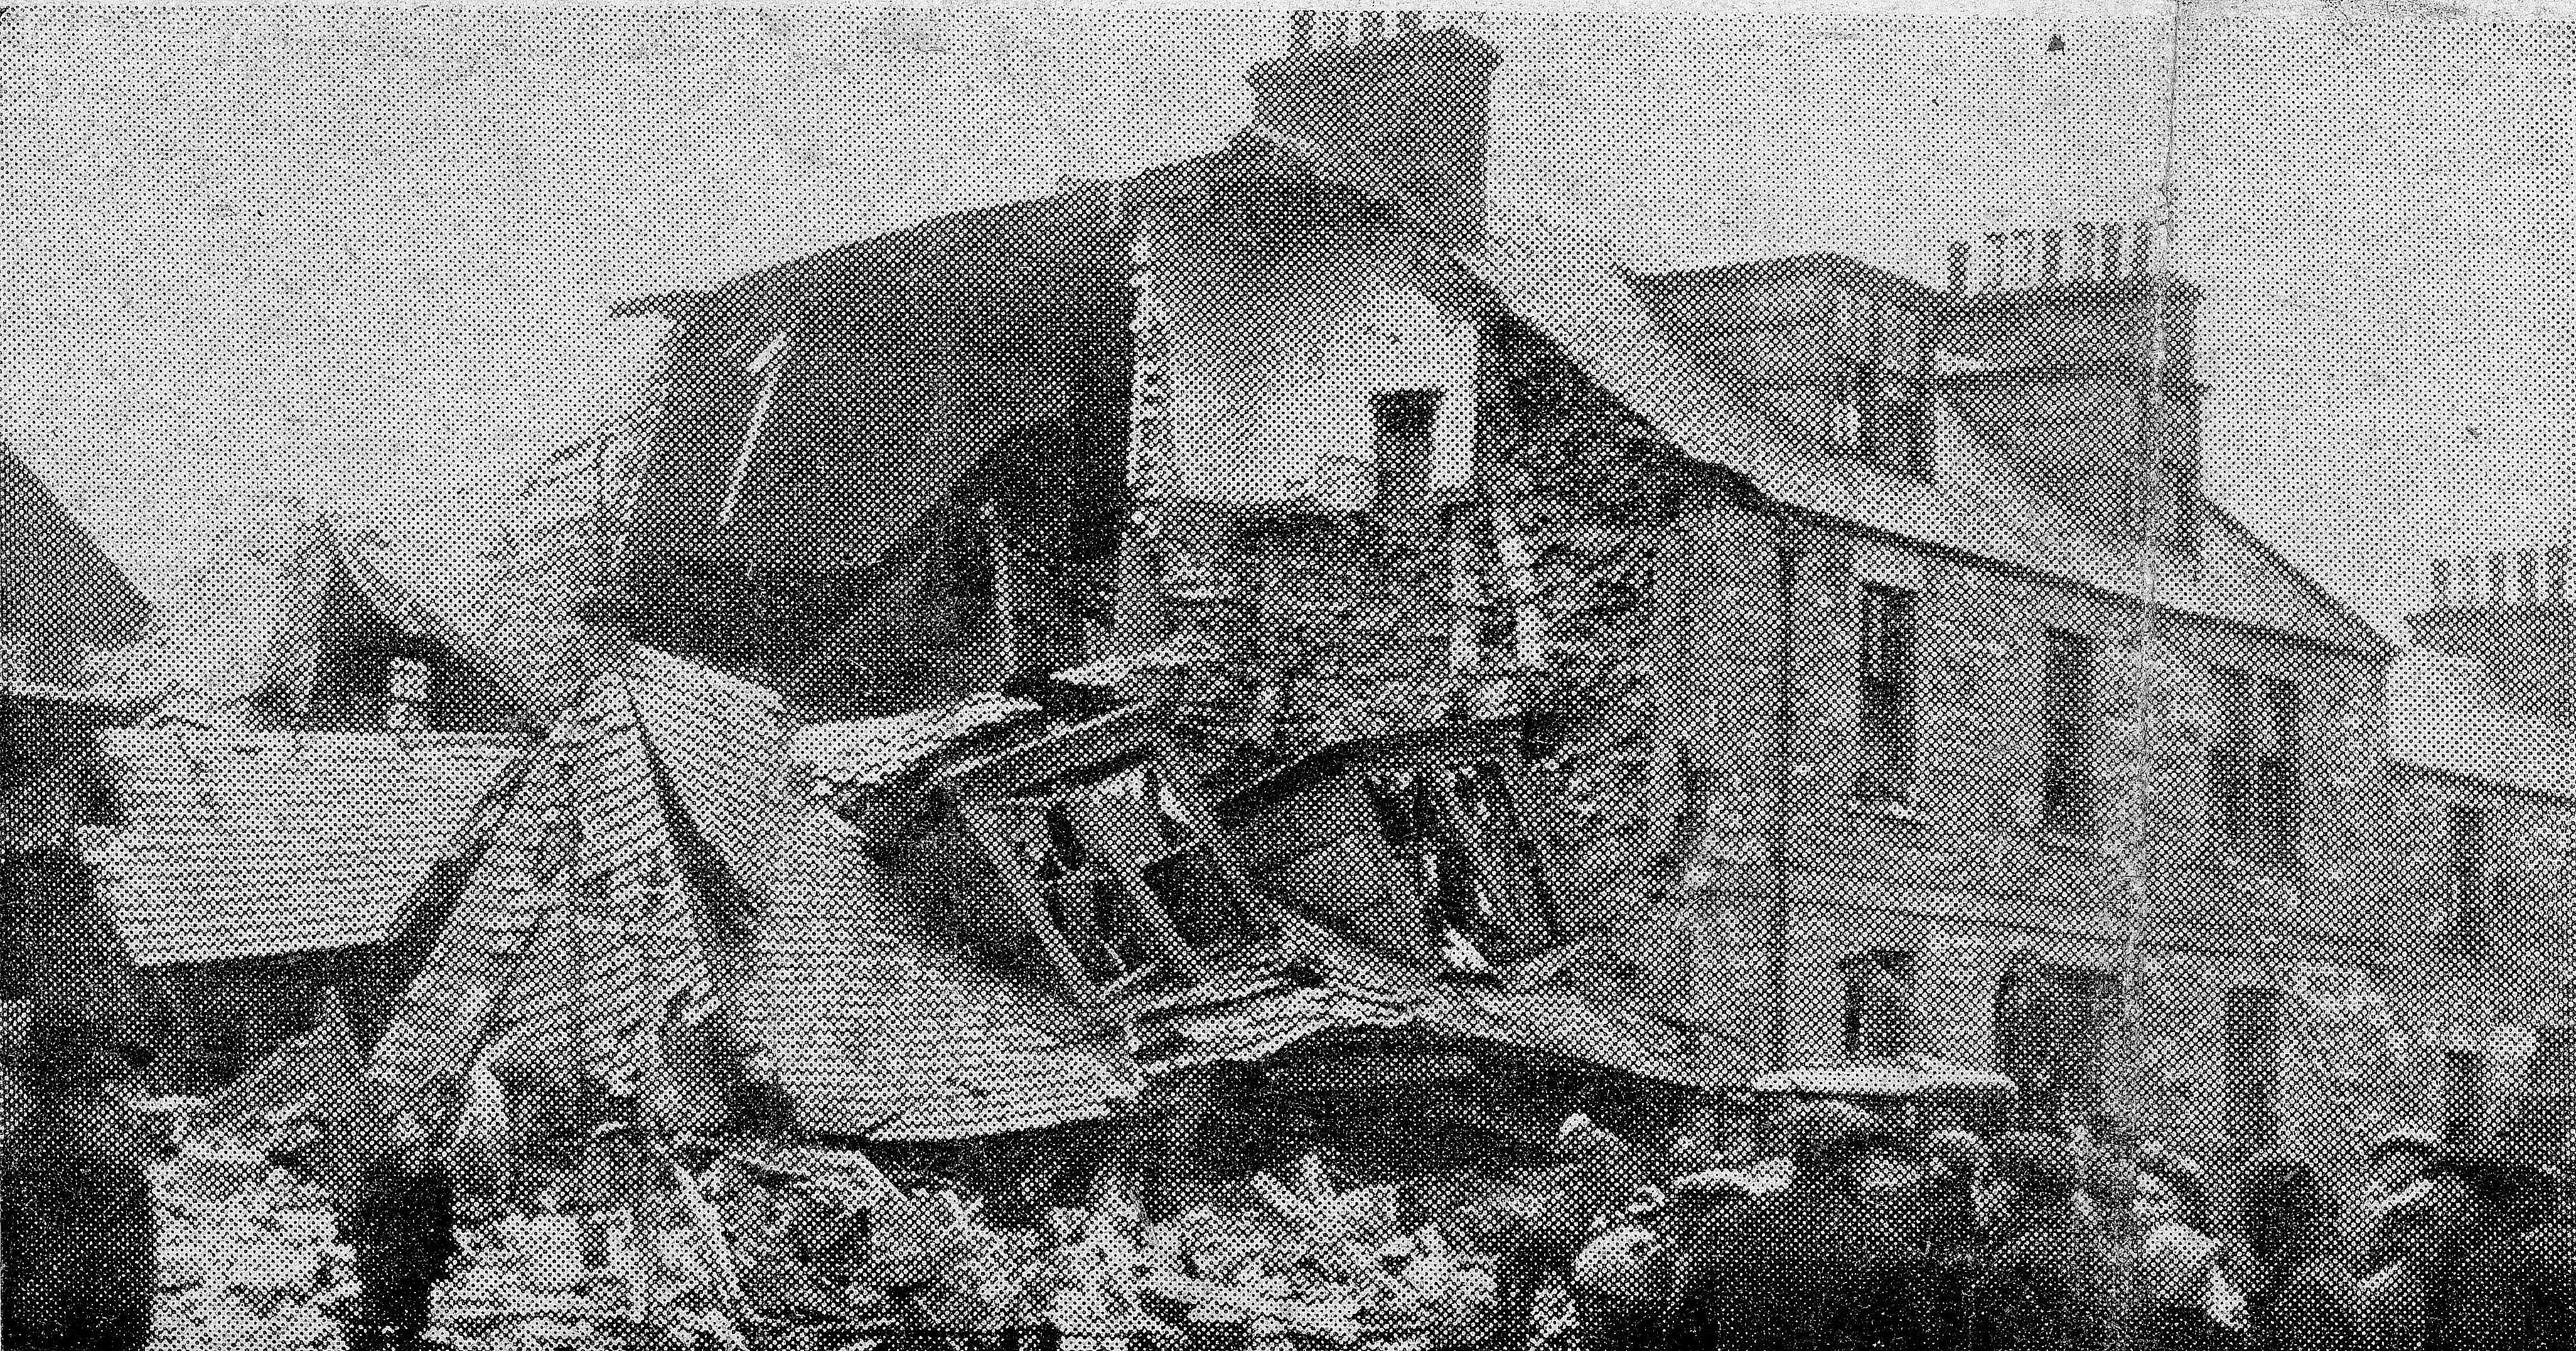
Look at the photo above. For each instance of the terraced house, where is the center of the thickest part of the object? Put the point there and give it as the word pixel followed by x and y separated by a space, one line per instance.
pixel 1290 550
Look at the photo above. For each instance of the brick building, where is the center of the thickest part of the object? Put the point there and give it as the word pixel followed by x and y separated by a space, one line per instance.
pixel 1860 667
pixel 2482 736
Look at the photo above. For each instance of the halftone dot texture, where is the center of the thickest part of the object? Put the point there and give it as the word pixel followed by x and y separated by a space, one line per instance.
pixel 1807 436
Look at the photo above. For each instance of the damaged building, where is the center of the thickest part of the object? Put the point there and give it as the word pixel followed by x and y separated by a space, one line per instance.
pixel 1278 638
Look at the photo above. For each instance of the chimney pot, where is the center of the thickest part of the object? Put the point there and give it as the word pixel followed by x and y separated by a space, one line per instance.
pixel 2557 586
pixel 1416 106
pixel 2052 248
pixel 1958 267
pixel 2441 583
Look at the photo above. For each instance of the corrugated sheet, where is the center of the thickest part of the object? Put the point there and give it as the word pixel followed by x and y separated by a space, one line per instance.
pixel 2445 715
pixel 882 1025
pixel 252 845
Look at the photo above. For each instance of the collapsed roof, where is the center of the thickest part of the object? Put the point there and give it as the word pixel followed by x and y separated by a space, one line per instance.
pixel 662 872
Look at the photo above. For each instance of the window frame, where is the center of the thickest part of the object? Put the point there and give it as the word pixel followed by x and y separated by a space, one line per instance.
pixel 2255 767
pixel 2070 794
pixel 1051 774
pixel 1318 802
pixel 1901 970
pixel 1889 694
pixel 2467 847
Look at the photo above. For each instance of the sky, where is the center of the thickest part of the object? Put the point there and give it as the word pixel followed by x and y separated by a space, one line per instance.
pixel 366 256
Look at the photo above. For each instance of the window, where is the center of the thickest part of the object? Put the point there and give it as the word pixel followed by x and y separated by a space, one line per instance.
pixel 2067 797
pixel 1878 1005
pixel 2253 1069
pixel 1403 455
pixel 1446 826
pixel 1107 855
pixel 2465 834
pixel 2255 767
pixel 2168 431
pixel 1878 394
pixel 2052 1037
pixel 1473 870
pixel 1886 695
pixel 406 693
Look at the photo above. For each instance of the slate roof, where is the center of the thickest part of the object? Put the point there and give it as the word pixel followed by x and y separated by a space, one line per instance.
pixel 1568 288
pixel 253 845
pixel 840 757
pixel 2444 715
pixel 884 1025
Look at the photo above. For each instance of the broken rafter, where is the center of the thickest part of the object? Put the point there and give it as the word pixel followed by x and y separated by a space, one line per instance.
pixel 766 366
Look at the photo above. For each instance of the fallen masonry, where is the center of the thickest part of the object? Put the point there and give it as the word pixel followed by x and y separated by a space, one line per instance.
pixel 826 1250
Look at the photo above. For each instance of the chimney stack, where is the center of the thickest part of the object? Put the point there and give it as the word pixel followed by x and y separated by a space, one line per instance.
pixel 1413 102
pixel 2083 251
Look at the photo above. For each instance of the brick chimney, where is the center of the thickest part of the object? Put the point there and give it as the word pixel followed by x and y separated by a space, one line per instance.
pixel 1413 102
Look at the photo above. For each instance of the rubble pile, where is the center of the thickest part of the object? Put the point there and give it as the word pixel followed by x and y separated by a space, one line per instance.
pixel 250 1260
pixel 821 1249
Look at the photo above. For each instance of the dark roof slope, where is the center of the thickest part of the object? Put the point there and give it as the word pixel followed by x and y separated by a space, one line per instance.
pixel 897 361
pixel 55 583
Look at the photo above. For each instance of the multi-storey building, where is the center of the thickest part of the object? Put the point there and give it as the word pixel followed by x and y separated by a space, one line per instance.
pixel 1850 667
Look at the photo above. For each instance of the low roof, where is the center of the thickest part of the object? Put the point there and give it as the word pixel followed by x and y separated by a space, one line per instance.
pixel 2445 715
pixel 249 622
pixel 56 577
pixel 238 845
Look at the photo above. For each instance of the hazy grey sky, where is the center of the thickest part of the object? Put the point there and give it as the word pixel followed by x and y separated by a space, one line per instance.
pixel 364 255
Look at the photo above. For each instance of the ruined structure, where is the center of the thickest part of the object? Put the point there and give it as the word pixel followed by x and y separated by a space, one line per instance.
pixel 1273 600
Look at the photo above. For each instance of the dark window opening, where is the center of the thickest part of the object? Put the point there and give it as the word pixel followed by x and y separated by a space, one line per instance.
pixel 1473 871
pixel 1403 456
pixel 1083 903
pixel 2464 1094
pixel 1887 695
pixel 1879 1018
pixel 2052 1037
pixel 2169 429
pixel 2068 785
pixel 2253 1069
pixel 2255 768
pixel 2465 832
